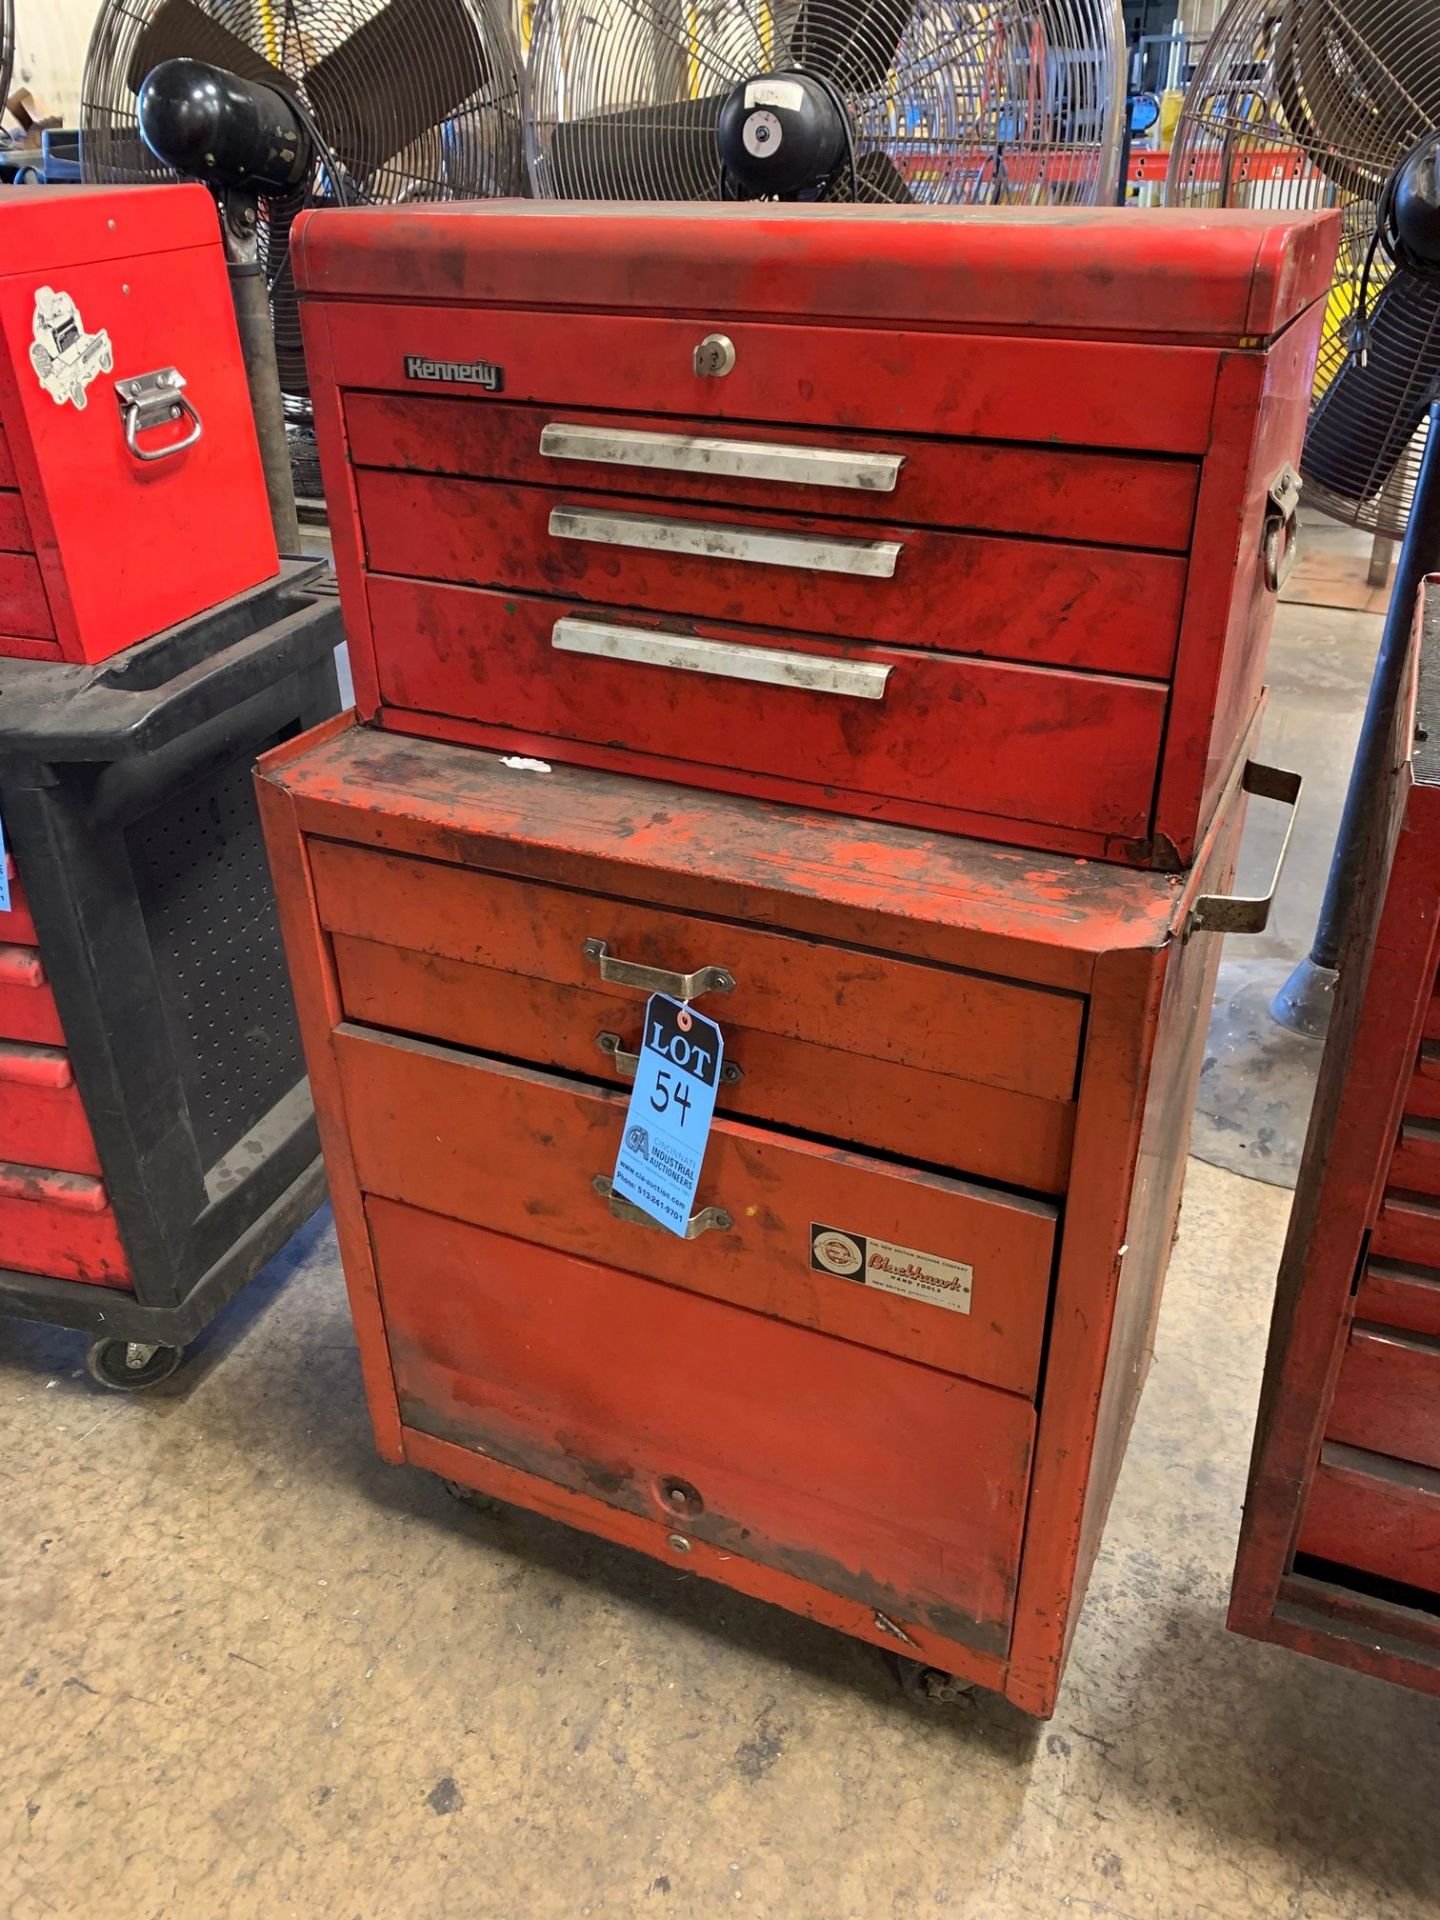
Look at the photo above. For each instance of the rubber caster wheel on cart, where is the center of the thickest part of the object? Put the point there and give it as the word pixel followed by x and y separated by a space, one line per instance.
pixel 128 1365
pixel 472 1497
pixel 931 1686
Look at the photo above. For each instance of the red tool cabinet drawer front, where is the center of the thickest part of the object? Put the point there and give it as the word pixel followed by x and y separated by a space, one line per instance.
pixel 519 1151
pixel 24 605
pixel 1416 1161
pixel 924 1062
pixel 27 1006
pixel 1376 1515
pixel 901 727
pixel 42 1118
pixel 1408 1229
pixel 15 534
pixel 1058 493
pixel 991 386
pixel 873 1476
pixel 7 464
pixel 1101 608
pixel 1394 1295
pixel 60 1224
pixel 1423 1097
pixel 1387 1399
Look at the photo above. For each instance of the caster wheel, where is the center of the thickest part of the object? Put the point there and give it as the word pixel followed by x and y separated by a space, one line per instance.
pixel 931 1686
pixel 128 1365
pixel 471 1497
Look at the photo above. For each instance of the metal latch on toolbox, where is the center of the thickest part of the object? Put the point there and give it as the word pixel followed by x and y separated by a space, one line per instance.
pixel 1280 544
pixel 149 400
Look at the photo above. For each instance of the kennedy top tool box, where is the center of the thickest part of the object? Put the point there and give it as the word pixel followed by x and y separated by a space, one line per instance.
pixel 1340 1548
pixel 968 519
pixel 157 1143
pixel 887 1376
pixel 131 490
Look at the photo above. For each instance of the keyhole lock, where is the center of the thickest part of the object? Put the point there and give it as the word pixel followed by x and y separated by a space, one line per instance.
pixel 715 356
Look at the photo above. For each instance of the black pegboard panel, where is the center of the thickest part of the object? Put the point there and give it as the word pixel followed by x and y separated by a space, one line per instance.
pixel 204 887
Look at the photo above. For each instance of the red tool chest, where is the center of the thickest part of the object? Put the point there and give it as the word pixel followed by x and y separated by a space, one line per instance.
pixel 964 520
pixel 127 442
pixel 945 1058
pixel 1340 1549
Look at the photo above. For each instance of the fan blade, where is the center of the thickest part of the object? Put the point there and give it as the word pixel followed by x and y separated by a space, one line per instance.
pixel 182 31
pixel 853 48
pixel 1369 414
pixel 638 153
pixel 399 76
pixel 877 171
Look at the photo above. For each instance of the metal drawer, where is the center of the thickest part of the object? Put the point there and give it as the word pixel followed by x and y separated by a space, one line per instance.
pixel 1387 1398
pixel 524 1153
pixel 922 1062
pixel 992 486
pixel 1104 609
pixel 892 1483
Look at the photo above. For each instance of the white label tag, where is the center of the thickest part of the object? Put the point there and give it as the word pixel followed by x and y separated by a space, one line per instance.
pixel 65 357
pixel 775 93
pixel 893 1269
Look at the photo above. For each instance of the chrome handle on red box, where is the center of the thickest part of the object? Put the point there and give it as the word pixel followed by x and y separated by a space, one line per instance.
pixel 1250 913
pixel 708 540
pixel 155 400
pixel 679 986
pixel 722 659
pixel 626 1210
pixel 729 459
pixel 628 1064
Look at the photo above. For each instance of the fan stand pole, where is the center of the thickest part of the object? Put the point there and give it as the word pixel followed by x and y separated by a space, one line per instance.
pixel 1303 1004
pixel 239 228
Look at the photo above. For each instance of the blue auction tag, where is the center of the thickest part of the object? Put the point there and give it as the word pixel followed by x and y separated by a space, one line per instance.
pixel 4 876
pixel 668 1122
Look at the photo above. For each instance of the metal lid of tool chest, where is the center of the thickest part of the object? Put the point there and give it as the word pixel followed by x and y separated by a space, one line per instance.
pixel 51 227
pixel 1220 277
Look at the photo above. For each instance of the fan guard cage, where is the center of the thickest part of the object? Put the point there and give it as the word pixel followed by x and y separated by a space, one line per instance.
pixel 1309 104
pixel 415 100
pixel 1010 102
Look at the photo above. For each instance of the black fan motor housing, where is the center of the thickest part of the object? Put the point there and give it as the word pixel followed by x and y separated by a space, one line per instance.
pixel 1417 205
pixel 780 134
pixel 209 123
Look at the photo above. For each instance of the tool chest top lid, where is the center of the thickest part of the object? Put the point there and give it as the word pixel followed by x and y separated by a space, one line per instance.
pixel 45 228
pixel 1181 275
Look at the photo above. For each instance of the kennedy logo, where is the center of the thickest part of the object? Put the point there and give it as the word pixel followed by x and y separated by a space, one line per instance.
pixel 456 373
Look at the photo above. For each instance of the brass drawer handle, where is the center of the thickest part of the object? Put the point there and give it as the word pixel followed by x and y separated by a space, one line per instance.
pixel 706 540
pixel 723 659
pixel 1239 913
pixel 679 986
pixel 728 459
pixel 634 1216
pixel 627 1063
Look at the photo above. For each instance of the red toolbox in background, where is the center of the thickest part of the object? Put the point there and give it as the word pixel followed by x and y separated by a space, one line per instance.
pixel 131 491
pixel 1340 1548
pixel 964 520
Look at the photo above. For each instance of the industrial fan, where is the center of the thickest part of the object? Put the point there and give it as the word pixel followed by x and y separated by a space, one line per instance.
pixel 346 101
pixel 991 102
pixel 1336 103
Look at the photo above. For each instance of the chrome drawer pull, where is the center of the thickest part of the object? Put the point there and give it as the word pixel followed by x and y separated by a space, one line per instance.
pixel 1238 912
pixel 707 541
pixel 697 1224
pixel 734 459
pixel 679 986
pixel 627 1063
pixel 725 659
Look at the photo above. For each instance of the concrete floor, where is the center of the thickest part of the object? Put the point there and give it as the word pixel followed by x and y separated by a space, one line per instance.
pixel 249 1671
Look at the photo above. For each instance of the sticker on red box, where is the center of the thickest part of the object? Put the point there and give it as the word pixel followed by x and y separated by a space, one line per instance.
pixel 872 1262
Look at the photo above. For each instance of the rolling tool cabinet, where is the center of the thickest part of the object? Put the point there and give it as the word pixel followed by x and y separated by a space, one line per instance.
pixel 1340 1549
pixel 888 1381
pixel 157 1141
pixel 967 520
pixel 131 491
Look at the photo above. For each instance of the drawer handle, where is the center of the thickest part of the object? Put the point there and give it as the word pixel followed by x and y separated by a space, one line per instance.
pixel 679 986
pixel 757 545
pixel 626 1210
pixel 626 1064
pixel 734 459
pixel 722 659
pixel 1280 546
pixel 1239 913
